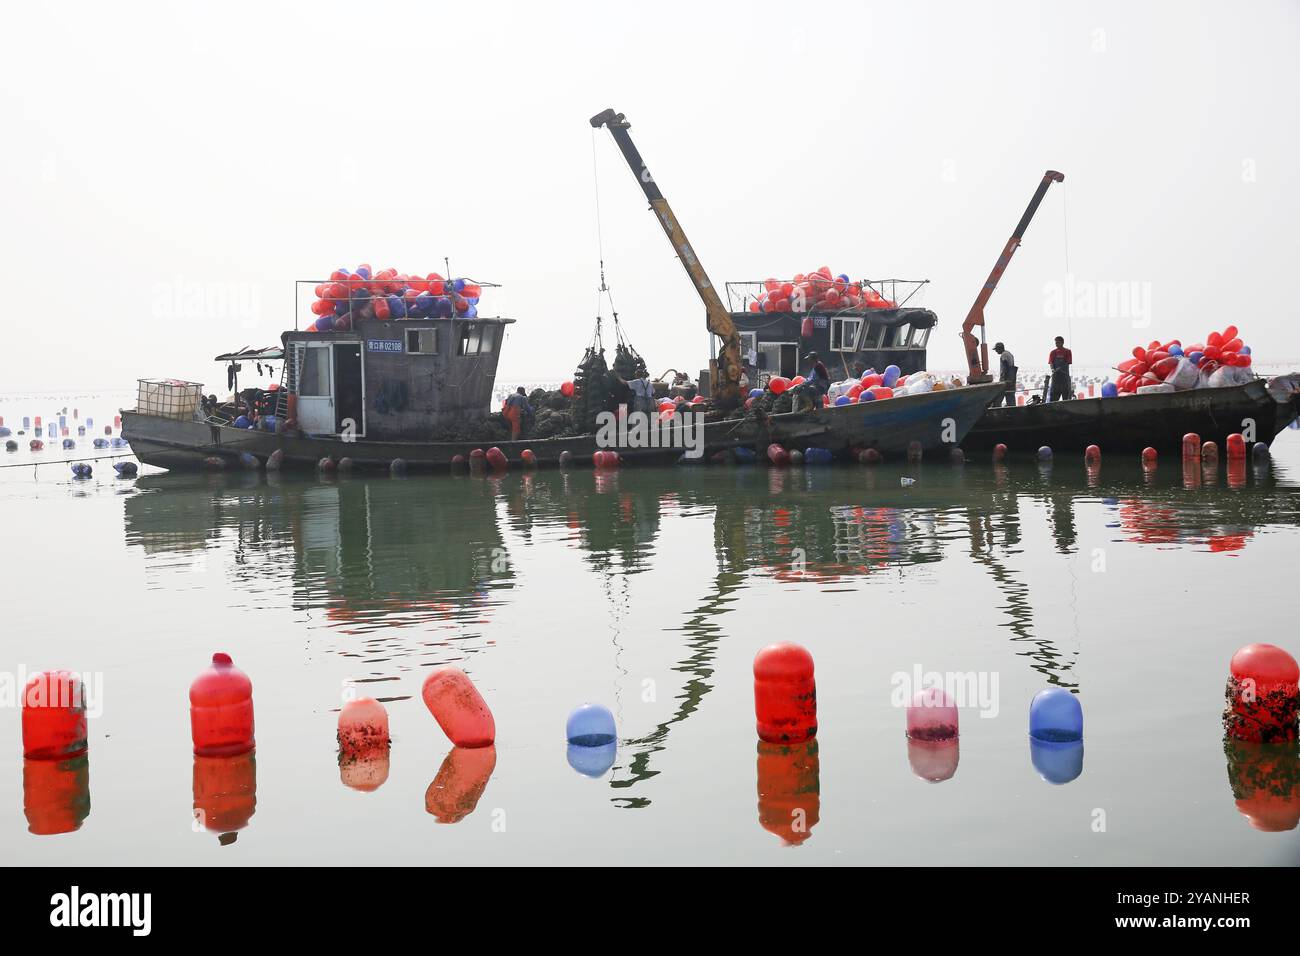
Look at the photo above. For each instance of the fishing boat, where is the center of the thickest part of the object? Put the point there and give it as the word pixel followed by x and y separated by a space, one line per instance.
pixel 1261 408
pixel 369 394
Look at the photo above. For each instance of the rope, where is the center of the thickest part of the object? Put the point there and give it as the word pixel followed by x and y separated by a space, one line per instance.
pixel 65 461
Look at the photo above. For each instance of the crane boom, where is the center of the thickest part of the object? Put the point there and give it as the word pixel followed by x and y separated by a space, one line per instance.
pixel 726 370
pixel 977 351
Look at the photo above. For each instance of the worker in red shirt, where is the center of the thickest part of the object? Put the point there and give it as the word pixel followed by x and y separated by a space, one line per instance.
pixel 1059 361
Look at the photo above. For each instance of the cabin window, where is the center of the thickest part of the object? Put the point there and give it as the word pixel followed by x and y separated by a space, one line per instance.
pixel 476 338
pixel 844 334
pixel 749 347
pixel 314 376
pixel 422 341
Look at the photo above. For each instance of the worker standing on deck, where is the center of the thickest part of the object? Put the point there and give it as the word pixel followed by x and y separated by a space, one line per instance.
pixel 515 411
pixel 1059 361
pixel 643 394
pixel 1006 375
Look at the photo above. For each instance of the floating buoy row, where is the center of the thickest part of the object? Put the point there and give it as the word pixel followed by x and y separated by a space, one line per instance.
pixel 1261 710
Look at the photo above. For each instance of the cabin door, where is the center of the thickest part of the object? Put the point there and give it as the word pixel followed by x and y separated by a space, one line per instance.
pixel 316 389
pixel 349 406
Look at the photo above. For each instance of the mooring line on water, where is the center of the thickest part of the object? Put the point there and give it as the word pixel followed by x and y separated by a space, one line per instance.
pixel 65 461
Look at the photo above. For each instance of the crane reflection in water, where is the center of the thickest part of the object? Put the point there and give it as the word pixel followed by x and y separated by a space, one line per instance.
pixel 401 574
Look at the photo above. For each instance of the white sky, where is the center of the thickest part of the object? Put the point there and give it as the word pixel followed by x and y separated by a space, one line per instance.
pixel 169 169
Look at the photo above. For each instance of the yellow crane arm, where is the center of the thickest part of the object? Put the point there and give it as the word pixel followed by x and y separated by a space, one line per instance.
pixel 726 371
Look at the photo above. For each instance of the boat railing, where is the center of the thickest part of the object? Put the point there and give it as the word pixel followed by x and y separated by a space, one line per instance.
pixel 901 292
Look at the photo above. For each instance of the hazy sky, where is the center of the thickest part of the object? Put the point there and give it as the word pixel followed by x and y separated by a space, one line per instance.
pixel 169 169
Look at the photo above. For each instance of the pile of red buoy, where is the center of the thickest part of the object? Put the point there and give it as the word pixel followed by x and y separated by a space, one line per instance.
pixel 1199 365
pixel 355 295
pixel 818 291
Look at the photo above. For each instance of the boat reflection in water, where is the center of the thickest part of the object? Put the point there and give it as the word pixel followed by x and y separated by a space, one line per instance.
pixel 456 790
pixel 789 789
pixel 225 794
pixel 56 794
pixel 410 573
pixel 1265 782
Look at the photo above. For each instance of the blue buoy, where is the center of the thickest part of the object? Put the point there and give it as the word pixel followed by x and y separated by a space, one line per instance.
pixel 1109 390
pixel 68 443
pixel 100 443
pixel 243 422
pixel 270 423
pixel 842 400
pixel 592 761
pixel 4 432
pixel 590 725
pixel 745 456
pixel 125 469
pixel 1057 762
pixel 1044 454
pixel 755 393
pixel 90 423
pixel 119 442
pixel 81 470
pixel 1055 715
pixel 817 456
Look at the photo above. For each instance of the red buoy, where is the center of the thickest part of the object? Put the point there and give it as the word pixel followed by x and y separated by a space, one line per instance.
pixel 225 792
pixel 54 716
pixel 1148 455
pixel 528 458
pixel 221 710
pixel 56 794
pixel 871 456
pixel 477 460
pixel 1261 694
pixel 999 452
pixel 1265 781
pixel 1093 453
pixel 1191 445
pixel 455 792
pixel 1236 447
pixel 785 694
pixel 777 455
pixel 789 790
pixel 497 459
pixel 459 708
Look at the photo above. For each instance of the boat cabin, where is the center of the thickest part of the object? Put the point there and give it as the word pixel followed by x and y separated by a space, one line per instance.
pixel 392 380
pixel 774 343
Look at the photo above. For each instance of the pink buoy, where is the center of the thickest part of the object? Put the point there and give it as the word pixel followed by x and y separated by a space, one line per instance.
pixel 528 458
pixel 1148 455
pixel 1191 445
pixel 1093 453
pixel 459 708
pixel 363 728
pixel 1262 695
pixel 1209 451
pixel 932 715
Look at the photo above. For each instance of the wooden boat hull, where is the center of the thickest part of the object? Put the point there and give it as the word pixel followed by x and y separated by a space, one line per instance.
pixel 1131 423
pixel 938 421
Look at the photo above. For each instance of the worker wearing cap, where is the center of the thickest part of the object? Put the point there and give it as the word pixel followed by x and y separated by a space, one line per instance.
pixel 818 378
pixel 1059 361
pixel 1006 375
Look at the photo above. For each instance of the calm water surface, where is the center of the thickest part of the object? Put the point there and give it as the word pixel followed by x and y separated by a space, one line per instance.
pixel 650 591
